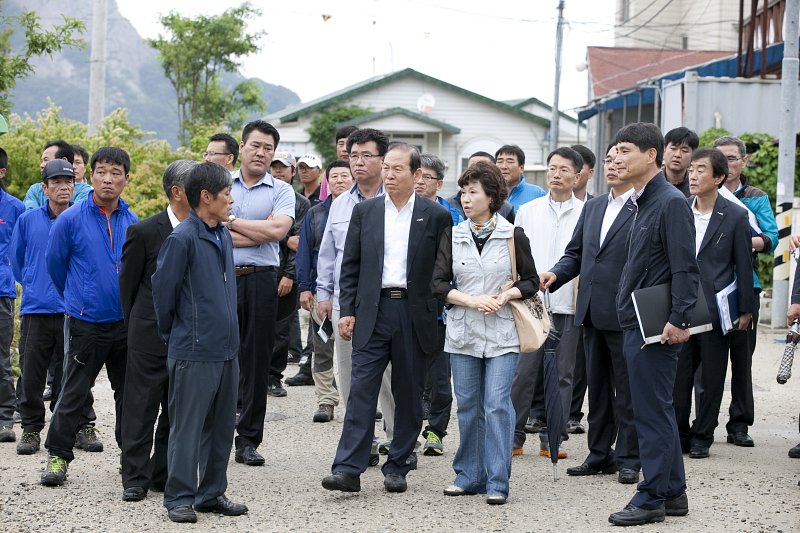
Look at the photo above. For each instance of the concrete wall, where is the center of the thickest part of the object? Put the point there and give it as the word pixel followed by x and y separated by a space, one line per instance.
pixel 677 24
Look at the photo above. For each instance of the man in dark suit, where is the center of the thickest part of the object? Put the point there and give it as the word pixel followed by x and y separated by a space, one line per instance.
pixel 389 311
pixel 660 250
pixel 597 253
pixel 146 380
pixel 724 253
pixel 579 382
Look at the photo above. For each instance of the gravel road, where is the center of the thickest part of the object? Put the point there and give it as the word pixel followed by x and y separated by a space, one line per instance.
pixel 736 489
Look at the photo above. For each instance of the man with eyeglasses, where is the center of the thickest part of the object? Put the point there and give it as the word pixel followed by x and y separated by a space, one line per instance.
pixel 263 213
pixel 743 343
pixel 549 222
pixel 222 149
pixel 366 148
pixel 596 253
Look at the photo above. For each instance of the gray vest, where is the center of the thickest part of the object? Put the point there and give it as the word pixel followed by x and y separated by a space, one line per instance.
pixel 469 331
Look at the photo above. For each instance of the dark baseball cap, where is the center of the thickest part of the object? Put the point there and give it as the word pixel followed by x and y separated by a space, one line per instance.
pixel 57 167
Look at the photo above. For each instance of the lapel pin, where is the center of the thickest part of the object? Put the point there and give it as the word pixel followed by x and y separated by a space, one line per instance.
pixel 420 219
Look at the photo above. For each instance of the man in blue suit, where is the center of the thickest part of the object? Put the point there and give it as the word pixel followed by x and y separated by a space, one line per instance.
pixel 597 253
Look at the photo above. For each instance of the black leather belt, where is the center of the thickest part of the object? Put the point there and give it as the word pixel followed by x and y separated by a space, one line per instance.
pixel 247 270
pixel 395 293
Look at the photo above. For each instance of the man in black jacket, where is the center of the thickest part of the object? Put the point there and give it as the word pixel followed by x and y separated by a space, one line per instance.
pixel 146 379
pixel 660 250
pixel 194 295
pixel 597 253
pixel 724 253
pixel 388 310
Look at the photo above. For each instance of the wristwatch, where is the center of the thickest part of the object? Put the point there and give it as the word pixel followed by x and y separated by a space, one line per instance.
pixel 231 218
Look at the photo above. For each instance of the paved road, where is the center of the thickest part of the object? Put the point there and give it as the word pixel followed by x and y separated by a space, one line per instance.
pixel 736 489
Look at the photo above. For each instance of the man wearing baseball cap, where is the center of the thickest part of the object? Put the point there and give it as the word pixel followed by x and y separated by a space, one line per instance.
pixel 310 169
pixel 42 310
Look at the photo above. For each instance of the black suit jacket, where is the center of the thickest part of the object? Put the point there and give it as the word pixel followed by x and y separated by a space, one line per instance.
pixel 139 255
pixel 362 268
pixel 725 251
pixel 599 266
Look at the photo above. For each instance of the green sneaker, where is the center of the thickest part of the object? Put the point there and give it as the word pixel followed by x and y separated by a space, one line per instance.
pixel 86 439
pixel 29 443
pixel 433 445
pixel 55 473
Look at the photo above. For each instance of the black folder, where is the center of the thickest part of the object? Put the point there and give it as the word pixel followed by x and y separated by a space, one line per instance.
pixel 653 306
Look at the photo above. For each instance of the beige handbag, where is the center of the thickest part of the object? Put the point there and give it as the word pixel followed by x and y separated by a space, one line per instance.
pixel 530 316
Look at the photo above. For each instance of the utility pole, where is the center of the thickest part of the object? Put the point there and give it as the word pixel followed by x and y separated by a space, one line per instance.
pixel 786 162
pixel 97 73
pixel 559 38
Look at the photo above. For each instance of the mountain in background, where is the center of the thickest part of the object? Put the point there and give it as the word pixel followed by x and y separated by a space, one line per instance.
pixel 134 77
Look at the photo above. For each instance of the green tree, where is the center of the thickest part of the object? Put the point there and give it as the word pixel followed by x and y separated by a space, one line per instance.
pixel 762 172
pixel 149 157
pixel 324 125
pixel 194 55
pixel 16 64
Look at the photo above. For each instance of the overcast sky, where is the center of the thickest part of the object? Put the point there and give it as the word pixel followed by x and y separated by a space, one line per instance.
pixel 502 49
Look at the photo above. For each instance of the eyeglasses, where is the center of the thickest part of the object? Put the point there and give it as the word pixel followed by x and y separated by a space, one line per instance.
pixel 206 155
pixel 429 177
pixel 365 157
pixel 563 172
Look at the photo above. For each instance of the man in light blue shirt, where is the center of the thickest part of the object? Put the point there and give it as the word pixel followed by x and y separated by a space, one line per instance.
pixel 510 159
pixel 366 148
pixel 35 197
pixel 263 213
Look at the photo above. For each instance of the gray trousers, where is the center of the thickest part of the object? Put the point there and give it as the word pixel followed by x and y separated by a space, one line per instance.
pixel 528 366
pixel 202 416
pixel 8 398
pixel 322 368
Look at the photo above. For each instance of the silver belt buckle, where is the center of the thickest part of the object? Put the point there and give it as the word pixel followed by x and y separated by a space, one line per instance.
pixel 395 294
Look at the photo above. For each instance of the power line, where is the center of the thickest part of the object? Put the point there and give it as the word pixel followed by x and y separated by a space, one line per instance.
pixel 665 6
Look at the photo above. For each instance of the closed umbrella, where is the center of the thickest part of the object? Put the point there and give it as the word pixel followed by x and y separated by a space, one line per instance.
pixel 553 406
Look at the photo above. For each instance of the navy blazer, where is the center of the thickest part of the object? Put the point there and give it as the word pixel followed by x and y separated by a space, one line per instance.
pixel 362 268
pixel 725 252
pixel 599 266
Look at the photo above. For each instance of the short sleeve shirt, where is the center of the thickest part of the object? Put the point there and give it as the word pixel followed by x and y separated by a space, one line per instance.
pixel 266 197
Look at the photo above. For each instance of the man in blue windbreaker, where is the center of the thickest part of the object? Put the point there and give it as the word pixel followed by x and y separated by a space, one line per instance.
pixel 10 209
pixel 195 301
pixel 88 238
pixel 42 310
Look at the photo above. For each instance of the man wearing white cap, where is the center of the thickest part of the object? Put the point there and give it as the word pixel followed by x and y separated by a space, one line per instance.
pixel 310 169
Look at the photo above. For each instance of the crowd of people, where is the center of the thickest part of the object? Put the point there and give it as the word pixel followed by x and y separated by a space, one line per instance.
pixel 196 311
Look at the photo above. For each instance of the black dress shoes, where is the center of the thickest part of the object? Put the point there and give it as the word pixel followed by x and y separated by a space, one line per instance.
pixel 182 513
pixel 794 453
pixel 412 460
pixel 395 483
pixel 342 482
pixel 628 476
pixel 225 507
pixel 133 494
pixel 677 506
pixel 740 438
pixel 698 451
pixel 586 470
pixel 636 516
pixel 249 456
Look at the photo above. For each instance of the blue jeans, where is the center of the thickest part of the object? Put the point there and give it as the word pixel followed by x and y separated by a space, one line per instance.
pixel 485 422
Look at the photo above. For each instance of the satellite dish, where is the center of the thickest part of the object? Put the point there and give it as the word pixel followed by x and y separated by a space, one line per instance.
pixel 426 103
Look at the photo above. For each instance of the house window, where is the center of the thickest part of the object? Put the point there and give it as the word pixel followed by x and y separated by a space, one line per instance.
pixel 625 10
